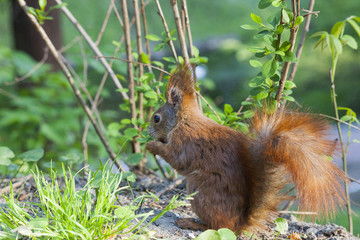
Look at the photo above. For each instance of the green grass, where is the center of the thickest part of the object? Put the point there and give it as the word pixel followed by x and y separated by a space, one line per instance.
pixel 67 213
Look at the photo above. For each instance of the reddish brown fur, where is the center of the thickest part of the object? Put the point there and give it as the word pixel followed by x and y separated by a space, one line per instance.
pixel 238 177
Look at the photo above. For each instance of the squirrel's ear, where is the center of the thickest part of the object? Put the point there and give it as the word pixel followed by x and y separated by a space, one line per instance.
pixel 180 84
pixel 175 96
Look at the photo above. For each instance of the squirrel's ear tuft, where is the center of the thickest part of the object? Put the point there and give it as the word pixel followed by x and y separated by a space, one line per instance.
pixel 175 96
pixel 180 84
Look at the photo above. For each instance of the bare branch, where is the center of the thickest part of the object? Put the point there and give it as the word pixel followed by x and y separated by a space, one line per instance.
pixel 187 25
pixel 296 212
pixel 301 42
pixel 147 44
pixel 93 47
pixel 140 51
pixel 131 84
pixel 208 104
pixel 67 74
pixel 180 30
pixel 102 30
pixel 171 186
pixel 33 69
pixel 160 12
pixel 126 60
pixel 285 70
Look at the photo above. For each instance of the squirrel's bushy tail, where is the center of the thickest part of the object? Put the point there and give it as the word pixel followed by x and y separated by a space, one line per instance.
pixel 297 144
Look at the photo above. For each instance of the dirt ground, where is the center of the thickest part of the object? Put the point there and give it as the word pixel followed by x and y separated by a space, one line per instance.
pixel 166 228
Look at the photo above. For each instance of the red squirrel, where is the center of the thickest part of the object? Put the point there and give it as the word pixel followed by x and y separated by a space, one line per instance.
pixel 239 177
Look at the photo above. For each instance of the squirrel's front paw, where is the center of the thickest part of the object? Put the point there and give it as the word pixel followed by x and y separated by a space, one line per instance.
pixel 153 146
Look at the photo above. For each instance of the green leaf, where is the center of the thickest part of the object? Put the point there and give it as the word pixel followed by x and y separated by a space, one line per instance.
pixel 255 82
pixel 32 155
pixel 124 213
pixel 279 29
pixel 269 68
pixel 6 152
pixel 209 235
pixel 288 98
pixel 131 132
pixel 226 234
pixel 256 50
pixel 228 109
pixel 281 53
pixel 42 4
pixel 158 63
pixel 125 121
pixel 285 46
pixel 151 94
pixel 255 63
pixel 195 51
pixel 335 44
pixel 262 95
pixel 264 4
pixel 285 15
pixel 153 37
pixel 249 27
pixel 350 41
pixel 298 20
pixel 159 46
pixel 337 28
pixel 289 84
pixel 144 58
pixel 134 159
pixel 277 3
pixel 169 59
pixel 38 223
pixel 281 225
pixel 354 25
pixel 129 176
pixel 256 19
pixel 289 56
pixel 147 77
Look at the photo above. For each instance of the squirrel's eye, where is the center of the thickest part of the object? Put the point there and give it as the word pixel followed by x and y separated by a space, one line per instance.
pixel 157 118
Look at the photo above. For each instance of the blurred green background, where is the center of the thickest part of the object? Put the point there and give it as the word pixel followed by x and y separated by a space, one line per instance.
pixel 50 118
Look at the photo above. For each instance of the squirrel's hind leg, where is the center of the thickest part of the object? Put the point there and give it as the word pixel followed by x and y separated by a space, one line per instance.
pixel 190 223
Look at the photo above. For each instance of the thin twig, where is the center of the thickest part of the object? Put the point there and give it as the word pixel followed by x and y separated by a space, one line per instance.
pixel 126 60
pixel 339 120
pixel 147 44
pixel 285 70
pixel 140 51
pixel 131 82
pixel 85 63
pixel 242 106
pixel 33 69
pixel 161 168
pixel 301 41
pixel 105 22
pixel 85 145
pixel 353 180
pixel 347 194
pixel 299 213
pixel 93 46
pixel 171 186
pixel 208 104
pixel 170 42
pixel 67 74
pixel 85 90
pixel 69 45
pixel 180 30
pixel 20 182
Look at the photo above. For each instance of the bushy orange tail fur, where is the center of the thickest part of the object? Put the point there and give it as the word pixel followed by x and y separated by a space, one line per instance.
pixel 298 143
